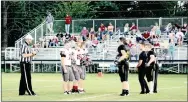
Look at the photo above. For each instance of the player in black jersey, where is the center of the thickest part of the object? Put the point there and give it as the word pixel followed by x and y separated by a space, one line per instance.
pixel 123 65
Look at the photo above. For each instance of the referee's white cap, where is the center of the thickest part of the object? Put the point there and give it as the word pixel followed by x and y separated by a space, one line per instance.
pixel 29 37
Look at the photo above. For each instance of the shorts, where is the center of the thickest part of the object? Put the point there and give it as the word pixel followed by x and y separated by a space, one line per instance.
pixel 123 71
pixel 82 72
pixel 69 76
pixel 76 71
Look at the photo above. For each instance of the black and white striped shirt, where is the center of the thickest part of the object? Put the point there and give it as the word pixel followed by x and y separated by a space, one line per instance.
pixel 25 49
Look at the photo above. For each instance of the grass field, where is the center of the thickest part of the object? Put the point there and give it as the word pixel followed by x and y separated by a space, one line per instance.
pixel 49 88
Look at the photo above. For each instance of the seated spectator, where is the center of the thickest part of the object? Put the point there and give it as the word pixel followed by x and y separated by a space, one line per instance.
pixel 133 51
pixel 110 30
pixel 84 33
pixel 133 29
pixel 95 42
pixel 146 36
pixel 53 42
pixel 126 29
pixel 104 36
pixel 92 34
pixel 130 44
pixel 185 28
pixel 101 30
pixel 180 36
pixel 168 28
pixel 67 36
pixel 156 44
pixel 138 36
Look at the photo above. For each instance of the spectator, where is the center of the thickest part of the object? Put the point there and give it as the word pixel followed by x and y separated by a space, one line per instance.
pixel 84 33
pixel 172 37
pixel 101 30
pixel 53 42
pixel 126 29
pixel 146 36
pixel 68 21
pixel 92 34
pixel 157 44
pixel 157 30
pixel 168 28
pixel 133 51
pixel 49 22
pixel 180 36
pixel 133 29
pixel 185 28
pixel 171 49
pixel 104 36
pixel 138 36
pixel 110 30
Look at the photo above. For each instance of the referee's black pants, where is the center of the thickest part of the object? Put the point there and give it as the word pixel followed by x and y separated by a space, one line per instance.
pixel 143 83
pixel 25 81
pixel 156 70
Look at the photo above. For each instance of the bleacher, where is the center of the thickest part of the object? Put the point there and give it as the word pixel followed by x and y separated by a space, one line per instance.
pixel 95 54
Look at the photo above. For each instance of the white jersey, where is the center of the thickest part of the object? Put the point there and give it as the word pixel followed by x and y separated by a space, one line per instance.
pixel 67 54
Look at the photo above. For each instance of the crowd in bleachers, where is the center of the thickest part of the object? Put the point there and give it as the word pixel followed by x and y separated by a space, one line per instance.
pixel 174 33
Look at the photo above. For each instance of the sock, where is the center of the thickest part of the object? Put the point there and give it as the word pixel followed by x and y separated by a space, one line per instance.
pixel 76 88
pixel 151 86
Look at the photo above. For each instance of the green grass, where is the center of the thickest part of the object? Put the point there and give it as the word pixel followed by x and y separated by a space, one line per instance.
pixel 49 88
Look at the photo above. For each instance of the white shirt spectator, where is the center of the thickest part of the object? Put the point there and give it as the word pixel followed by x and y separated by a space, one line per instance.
pixel 179 35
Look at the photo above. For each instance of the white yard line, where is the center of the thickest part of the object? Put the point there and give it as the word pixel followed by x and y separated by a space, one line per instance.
pixel 89 97
pixel 85 98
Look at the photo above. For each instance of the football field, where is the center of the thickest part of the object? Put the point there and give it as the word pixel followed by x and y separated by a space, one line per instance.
pixel 48 87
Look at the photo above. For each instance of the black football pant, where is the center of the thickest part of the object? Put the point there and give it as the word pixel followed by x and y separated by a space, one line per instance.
pixel 143 83
pixel 25 81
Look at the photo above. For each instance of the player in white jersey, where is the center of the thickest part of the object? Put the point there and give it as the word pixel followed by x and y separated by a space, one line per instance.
pixel 66 69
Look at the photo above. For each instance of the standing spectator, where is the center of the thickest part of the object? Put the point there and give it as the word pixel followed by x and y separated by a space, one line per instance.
pixel 126 29
pixel 157 30
pixel 171 49
pixel 49 22
pixel 110 30
pixel 168 28
pixel 101 30
pixel 133 29
pixel 184 28
pixel 84 33
pixel 180 36
pixel 68 21
pixel 91 34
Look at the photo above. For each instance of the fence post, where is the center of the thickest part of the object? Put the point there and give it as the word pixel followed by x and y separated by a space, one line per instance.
pixel 182 21
pixel 10 67
pixel 178 62
pixel 93 24
pixel 137 23
pixel 73 26
pixel 35 35
pixel 115 25
pixel 42 33
pixel 160 22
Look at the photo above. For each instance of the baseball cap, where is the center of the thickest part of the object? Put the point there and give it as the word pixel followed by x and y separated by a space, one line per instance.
pixel 29 37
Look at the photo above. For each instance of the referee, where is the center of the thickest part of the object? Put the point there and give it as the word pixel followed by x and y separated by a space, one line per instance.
pixel 26 55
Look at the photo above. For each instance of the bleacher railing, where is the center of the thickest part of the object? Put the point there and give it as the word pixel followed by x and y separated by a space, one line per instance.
pixel 59 25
